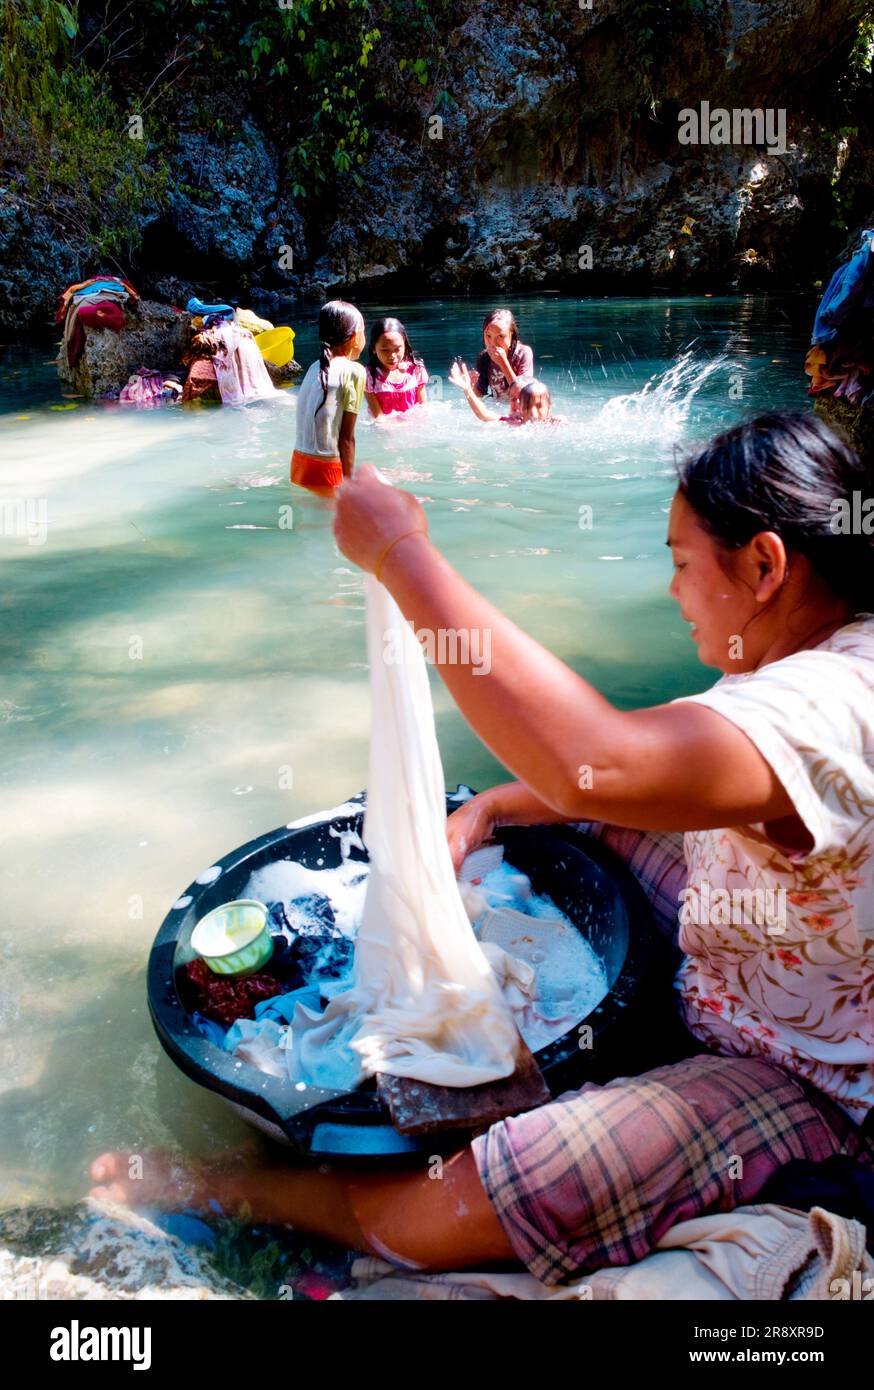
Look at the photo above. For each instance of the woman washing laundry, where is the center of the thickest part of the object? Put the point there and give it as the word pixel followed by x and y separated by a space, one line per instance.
pixel 770 776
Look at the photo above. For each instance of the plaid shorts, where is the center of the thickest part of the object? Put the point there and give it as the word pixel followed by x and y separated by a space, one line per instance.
pixel 656 859
pixel 599 1175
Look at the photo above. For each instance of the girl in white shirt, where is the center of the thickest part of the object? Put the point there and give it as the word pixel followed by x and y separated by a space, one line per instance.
pixel 329 401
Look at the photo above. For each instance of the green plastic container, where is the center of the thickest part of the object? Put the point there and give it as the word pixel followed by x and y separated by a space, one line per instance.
pixel 234 939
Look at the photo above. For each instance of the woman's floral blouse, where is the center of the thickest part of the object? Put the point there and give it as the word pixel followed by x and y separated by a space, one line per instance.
pixel 788 971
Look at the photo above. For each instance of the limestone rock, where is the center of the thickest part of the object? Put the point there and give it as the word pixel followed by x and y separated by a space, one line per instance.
pixel 35 264
pixel 155 335
pixel 223 193
pixel 99 1251
pixel 541 131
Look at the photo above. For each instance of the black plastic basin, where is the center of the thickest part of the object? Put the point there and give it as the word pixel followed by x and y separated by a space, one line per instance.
pixel 584 879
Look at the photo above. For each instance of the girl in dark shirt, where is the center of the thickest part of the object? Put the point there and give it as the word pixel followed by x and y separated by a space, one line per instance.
pixel 503 359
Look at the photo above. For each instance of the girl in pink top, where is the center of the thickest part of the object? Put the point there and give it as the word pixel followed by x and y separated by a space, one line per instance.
pixel 396 376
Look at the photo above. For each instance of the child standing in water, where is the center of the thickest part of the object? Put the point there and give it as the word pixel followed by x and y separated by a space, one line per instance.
pixel 396 375
pixel 504 359
pixel 329 402
pixel 530 401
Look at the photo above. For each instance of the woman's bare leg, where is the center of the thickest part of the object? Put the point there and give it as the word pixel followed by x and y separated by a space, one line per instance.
pixel 410 1218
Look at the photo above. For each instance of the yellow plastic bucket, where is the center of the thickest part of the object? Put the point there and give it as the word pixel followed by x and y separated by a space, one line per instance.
pixel 276 345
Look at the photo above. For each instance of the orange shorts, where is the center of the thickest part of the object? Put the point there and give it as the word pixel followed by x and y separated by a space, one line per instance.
pixel 309 471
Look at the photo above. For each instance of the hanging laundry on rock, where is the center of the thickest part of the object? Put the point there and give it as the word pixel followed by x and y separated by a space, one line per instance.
pixel 101 313
pixel 97 303
pixel 112 284
pixel 840 362
pixel 239 368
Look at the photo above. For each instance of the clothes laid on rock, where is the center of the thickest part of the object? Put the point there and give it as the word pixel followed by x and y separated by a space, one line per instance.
pixel 397 391
pixel 111 283
pixel 95 303
pixel 840 362
pixel 762 1252
pixel 97 313
pixel 145 387
pixel 796 990
pixel 237 367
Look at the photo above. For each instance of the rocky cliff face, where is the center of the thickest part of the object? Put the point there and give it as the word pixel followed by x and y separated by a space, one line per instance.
pixel 547 152
pixel 554 161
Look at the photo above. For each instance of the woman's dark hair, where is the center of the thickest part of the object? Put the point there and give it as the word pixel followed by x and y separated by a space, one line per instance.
pixel 337 322
pixel 504 319
pixel 389 325
pixel 793 475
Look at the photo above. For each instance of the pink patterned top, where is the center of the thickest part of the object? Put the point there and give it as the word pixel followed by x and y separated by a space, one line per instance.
pixel 399 394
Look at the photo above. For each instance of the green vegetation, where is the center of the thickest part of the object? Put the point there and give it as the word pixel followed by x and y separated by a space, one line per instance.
pixel 309 57
pixel 318 76
pixel 651 28
pixel 308 64
pixel 65 136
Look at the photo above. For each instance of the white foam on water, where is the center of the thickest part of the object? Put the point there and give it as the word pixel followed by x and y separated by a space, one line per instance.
pixel 344 886
pixel 663 404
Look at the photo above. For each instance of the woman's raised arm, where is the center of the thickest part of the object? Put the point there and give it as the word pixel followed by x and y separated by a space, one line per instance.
pixel 670 767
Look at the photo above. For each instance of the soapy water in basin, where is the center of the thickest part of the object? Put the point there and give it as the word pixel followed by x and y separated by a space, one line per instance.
pixel 327 904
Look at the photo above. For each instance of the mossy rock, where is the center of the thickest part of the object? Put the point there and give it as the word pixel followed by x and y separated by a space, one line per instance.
pixel 854 422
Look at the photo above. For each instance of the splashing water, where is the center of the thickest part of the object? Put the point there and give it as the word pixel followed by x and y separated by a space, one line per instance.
pixel 663 404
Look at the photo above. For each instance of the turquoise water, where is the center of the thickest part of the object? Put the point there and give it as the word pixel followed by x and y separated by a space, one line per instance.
pixel 170 650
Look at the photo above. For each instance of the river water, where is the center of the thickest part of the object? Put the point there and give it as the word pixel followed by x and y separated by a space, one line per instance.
pixel 183 658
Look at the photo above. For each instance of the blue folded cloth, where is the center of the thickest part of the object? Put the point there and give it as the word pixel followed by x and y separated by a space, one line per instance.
pixel 197 306
pixel 850 290
pixel 107 286
pixel 212 1031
